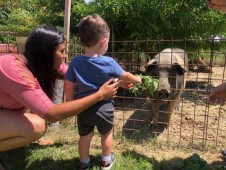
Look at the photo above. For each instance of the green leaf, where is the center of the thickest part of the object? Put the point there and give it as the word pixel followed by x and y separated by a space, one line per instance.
pixel 148 83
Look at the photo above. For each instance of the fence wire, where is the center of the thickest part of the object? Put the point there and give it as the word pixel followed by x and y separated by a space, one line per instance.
pixel 194 122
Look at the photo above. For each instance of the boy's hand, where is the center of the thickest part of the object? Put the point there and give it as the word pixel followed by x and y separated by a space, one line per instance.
pixel 147 83
pixel 139 79
pixel 125 85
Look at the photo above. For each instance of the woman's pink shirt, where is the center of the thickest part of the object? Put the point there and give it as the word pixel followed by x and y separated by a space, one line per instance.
pixel 19 89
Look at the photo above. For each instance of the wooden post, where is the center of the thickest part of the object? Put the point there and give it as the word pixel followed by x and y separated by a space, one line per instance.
pixel 67 16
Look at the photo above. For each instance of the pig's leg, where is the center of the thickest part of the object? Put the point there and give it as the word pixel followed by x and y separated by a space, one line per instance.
pixel 155 111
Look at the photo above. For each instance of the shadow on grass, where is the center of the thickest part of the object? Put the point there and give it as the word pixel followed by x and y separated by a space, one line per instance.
pixel 25 159
pixel 218 165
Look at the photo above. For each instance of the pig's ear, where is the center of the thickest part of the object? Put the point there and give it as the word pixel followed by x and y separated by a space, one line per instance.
pixel 152 62
pixel 179 60
pixel 151 65
pixel 178 68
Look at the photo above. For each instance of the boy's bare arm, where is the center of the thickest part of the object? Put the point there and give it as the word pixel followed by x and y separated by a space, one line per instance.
pixel 130 78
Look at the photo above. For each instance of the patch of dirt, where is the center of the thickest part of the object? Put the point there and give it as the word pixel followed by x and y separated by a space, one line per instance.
pixel 196 124
pixel 196 127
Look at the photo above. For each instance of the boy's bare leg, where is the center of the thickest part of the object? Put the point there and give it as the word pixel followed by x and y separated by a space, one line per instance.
pixel 106 143
pixel 84 145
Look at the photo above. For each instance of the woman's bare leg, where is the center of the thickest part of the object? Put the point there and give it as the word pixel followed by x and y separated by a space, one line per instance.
pixel 19 129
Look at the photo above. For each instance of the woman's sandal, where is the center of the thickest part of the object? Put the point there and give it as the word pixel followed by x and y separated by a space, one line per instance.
pixel 43 142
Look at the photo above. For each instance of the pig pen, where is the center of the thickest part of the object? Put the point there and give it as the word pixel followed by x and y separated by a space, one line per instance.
pixel 196 124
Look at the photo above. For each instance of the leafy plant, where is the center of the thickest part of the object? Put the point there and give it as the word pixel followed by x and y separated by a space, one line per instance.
pixel 148 83
pixel 194 162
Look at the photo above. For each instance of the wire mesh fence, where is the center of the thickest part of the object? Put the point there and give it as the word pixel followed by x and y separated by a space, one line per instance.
pixel 193 121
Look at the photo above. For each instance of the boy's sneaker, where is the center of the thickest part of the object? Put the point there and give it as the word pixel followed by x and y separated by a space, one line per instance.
pixel 2 167
pixel 86 166
pixel 223 153
pixel 108 165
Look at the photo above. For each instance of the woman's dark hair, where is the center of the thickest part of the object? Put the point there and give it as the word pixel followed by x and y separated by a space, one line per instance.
pixel 39 52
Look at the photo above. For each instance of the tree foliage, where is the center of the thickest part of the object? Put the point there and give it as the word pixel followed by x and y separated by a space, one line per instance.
pixel 25 15
pixel 128 19
pixel 20 20
pixel 161 19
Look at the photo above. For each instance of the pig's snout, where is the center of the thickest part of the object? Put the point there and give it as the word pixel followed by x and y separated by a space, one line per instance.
pixel 162 94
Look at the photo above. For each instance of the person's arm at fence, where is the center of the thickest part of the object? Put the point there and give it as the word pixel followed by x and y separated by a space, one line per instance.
pixel 217 4
pixel 218 95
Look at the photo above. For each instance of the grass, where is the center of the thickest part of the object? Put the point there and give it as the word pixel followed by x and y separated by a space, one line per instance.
pixel 63 154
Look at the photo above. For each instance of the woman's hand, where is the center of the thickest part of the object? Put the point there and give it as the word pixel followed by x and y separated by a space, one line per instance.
pixel 109 89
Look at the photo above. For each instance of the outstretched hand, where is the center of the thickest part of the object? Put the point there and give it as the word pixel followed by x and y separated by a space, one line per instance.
pixel 218 95
pixel 109 89
pixel 217 4
pixel 125 85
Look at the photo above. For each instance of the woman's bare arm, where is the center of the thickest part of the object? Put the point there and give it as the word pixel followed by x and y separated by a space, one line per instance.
pixel 61 111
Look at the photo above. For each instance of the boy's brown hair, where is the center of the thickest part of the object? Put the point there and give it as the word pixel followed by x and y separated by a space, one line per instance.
pixel 91 28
